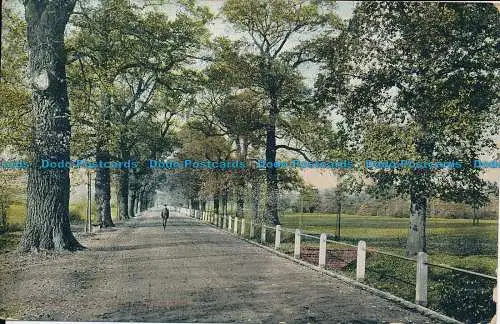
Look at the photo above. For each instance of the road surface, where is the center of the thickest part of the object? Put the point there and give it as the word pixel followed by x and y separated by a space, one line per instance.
pixel 190 273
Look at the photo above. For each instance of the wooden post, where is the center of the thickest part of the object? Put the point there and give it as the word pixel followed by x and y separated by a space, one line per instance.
pixel 243 227
pixel 322 250
pixel 361 261
pixel 263 234
pixel 89 203
pixel 225 222
pixel 229 227
pixel 235 225
pixel 277 241
pixel 296 251
pixel 421 288
pixel 117 203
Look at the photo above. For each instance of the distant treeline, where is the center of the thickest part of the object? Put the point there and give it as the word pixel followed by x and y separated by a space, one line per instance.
pixel 365 205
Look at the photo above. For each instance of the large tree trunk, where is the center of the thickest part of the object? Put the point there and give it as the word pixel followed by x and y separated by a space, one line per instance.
pixel 256 200
pixel 3 214
pixel 272 172
pixel 124 193
pixel 242 147
pixel 47 222
pixel 138 201
pixel 475 218
pixel 216 203
pixel 224 195
pixel 103 190
pixel 132 193
pixel 103 176
pixel 416 234
pixel 124 179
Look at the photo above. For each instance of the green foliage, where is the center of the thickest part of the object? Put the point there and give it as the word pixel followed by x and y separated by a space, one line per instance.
pixel 129 71
pixel 418 82
pixel 14 93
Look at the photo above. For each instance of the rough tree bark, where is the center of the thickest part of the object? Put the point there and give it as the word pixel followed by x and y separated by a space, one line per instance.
pixel 47 222
pixel 272 173
pixel 124 179
pixel 103 190
pixel 224 196
pixel 242 147
pixel 103 176
pixel 3 214
pixel 419 198
pixel 256 200
pixel 475 218
pixel 132 193
pixel 416 233
pixel 216 203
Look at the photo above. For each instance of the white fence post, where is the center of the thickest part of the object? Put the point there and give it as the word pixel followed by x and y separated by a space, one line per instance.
pixel 421 288
pixel 235 225
pixel 224 223
pixel 361 261
pixel 277 240
pixel 252 229
pixel 263 234
pixel 322 250
pixel 243 227
pixel 229 227
pixel 296 251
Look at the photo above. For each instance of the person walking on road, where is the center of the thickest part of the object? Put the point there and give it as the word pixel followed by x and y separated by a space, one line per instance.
pixel 164 216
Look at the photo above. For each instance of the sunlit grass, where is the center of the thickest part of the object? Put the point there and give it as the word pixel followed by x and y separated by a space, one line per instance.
pixel 451 241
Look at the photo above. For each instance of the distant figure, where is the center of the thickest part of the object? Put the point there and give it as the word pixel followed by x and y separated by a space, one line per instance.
pixel 164 216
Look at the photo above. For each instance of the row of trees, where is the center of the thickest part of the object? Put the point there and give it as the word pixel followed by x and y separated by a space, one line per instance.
pixel 407 80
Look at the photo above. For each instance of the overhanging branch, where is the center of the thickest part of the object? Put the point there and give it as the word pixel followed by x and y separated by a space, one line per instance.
pixel 294 149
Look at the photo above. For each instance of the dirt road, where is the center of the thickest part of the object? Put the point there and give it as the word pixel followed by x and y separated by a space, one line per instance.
pixel 189 273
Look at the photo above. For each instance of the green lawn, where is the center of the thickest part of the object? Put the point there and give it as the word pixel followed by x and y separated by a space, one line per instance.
pixel 451 241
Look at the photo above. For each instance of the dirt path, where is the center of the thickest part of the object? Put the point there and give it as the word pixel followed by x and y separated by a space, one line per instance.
pixel 191 272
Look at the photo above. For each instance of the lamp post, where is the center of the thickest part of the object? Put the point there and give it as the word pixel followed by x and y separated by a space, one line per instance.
pixel 88 227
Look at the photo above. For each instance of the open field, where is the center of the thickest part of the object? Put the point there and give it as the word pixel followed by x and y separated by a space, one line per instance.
pixel 452 241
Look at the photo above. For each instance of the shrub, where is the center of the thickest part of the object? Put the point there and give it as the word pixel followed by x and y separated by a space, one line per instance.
pixel 465 297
